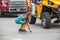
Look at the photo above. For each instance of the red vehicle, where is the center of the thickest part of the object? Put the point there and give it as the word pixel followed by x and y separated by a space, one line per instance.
pixel 0 6
pixel 12 7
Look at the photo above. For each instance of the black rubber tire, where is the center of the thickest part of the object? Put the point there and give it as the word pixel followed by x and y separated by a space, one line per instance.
pixel 47 17
pixel 2 14
pixel 0 11
pixel 32 20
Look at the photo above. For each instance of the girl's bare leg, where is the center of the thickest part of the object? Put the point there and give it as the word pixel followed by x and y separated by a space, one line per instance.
pixel 24 26
pixel 21 26
pixel 29 26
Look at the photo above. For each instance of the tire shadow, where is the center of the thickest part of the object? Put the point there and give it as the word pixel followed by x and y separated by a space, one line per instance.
pixel 37 25
pixel 55 26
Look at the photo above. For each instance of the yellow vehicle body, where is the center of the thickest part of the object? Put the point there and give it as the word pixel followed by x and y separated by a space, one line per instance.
pixel 50 6
pixel 56 3
pixel 44 3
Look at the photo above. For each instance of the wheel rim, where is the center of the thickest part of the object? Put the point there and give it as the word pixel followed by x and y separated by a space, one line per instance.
pixel 43 22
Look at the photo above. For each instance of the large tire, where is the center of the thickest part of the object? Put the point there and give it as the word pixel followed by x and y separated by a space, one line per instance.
pixel 46 20
pixel 0 11
pixel 1 14
pixel 32 20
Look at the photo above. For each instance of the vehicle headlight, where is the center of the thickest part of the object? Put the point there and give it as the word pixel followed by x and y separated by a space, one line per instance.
pixel 3 3
pixel 51 3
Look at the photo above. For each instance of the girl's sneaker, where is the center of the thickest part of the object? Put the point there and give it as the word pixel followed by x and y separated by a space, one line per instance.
pixel 22 30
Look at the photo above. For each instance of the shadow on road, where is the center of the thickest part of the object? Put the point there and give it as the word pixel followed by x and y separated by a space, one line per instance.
pixel 9 17
pixel 53 26
pixel 37 25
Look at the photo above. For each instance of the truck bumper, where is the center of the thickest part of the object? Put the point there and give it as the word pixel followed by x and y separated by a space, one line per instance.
pixel 12 13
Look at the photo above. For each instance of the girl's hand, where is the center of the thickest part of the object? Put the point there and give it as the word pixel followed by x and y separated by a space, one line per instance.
pixel 30 31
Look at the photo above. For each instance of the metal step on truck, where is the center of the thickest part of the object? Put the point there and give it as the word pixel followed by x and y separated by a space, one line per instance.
pixel 13 7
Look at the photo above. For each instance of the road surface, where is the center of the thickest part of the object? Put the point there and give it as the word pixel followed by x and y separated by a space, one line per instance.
pixel 9 31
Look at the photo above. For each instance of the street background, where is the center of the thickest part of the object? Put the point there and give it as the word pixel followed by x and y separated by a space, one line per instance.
pixel 9 31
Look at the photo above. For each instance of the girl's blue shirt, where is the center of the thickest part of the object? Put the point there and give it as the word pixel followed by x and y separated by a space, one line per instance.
pixel 21 17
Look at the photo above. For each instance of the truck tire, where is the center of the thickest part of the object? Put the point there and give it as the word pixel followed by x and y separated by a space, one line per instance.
pixel 46 20
pixel 0 11
pixel 1 14
pixel 32 20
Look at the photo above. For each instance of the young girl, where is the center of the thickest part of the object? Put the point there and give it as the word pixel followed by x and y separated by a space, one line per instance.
pixel 23 26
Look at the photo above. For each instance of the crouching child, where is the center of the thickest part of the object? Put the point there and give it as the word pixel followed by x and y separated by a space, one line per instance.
pixel 26 23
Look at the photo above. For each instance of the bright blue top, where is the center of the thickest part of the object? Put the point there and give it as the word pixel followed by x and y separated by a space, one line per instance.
pixel 21 17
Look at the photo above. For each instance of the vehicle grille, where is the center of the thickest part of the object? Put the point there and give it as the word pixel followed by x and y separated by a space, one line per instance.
pixel 17 6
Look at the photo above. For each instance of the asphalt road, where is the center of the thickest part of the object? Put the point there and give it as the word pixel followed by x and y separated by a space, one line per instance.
pixel 9 31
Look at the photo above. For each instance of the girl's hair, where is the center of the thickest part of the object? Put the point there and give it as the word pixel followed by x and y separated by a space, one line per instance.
pixel 28 13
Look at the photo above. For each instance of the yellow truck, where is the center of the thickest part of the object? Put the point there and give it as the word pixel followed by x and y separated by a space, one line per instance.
pixel 46 10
